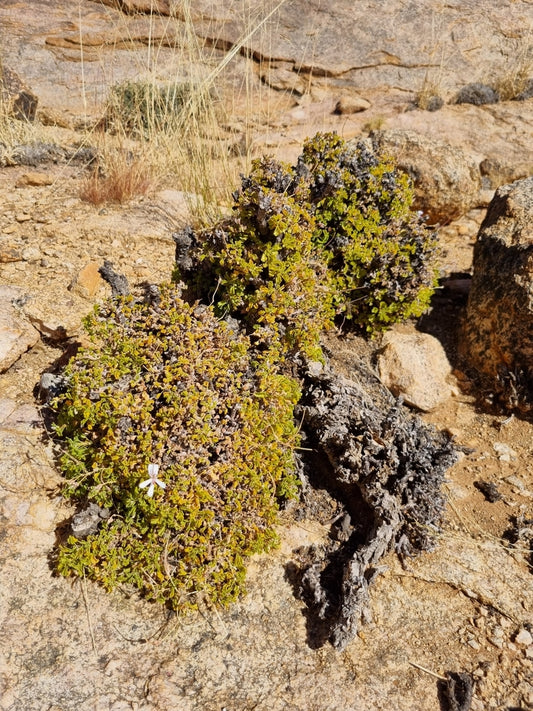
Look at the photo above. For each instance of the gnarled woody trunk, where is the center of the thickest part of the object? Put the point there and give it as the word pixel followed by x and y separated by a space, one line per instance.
pixel 387 467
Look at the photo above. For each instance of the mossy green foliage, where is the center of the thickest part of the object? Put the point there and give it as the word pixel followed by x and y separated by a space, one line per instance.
pixel 267 270
pixel 380 254
pixel 169 384
pixel 332 236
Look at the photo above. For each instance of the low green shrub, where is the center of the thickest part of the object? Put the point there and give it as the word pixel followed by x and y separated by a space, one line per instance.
pixel 180 424
pixel 168 384
pixel 332 236
pixel 380 254
pixel 263 267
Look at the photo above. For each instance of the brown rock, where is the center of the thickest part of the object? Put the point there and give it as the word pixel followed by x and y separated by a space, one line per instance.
pixel 34 178
pixel 9 254
pixel 87 282
pixel 283 77
pixel 16 334
pixel 497 172
pixel 351 104
pixel 498 332
pixel 415 366
pixel 447 181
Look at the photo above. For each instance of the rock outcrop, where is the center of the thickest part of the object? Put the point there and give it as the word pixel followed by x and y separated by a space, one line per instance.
pixel 370 48
pixel 17 335
pixel 447 181
pixel 21 102
pixel 498 331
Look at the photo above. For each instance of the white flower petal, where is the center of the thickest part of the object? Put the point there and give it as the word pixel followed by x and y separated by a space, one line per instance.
pixel 150 491
pixel 160 483
pixel 153 470
pixel 144 484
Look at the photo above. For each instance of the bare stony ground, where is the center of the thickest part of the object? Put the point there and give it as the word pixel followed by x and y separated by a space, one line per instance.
pixel 466 607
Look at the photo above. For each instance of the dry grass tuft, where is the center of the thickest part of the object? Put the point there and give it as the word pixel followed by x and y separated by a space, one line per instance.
pixel 516 73
pixel 122 180
pixel 172 115
pixel 429 98
pixel 176 115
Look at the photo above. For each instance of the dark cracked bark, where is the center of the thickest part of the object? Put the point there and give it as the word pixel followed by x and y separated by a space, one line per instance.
pixel 388 461
pixel 118 282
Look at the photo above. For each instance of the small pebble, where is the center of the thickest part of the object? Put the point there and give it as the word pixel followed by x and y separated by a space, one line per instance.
pixel 31 254
pixel 524 638
pixel 504 452
pixel 496 638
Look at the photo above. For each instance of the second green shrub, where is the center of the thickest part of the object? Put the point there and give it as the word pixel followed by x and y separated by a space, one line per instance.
pixel 331 237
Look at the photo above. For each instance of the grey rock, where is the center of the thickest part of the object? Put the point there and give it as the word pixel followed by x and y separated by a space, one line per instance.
pixel 477 94
pixel 36 154
pixel 86 522
pixel 498 331
pixel 51 385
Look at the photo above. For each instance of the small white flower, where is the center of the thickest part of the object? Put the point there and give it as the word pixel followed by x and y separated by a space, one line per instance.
pixel 153 470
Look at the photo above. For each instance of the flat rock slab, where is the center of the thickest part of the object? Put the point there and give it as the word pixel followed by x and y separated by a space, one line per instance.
pixel 372 43
pixel 368 45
